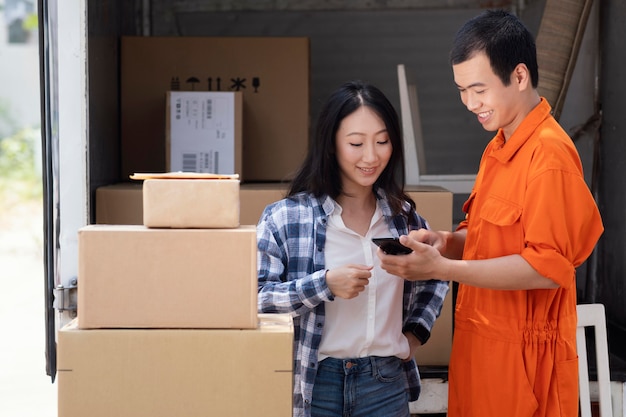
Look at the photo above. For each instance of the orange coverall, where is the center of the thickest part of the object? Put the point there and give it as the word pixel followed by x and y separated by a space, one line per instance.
pixel 514 352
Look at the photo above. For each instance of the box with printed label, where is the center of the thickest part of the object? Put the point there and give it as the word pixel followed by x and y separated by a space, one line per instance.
pixel 176 372
pixel 138 277
pixel 203 132
pixel 272 74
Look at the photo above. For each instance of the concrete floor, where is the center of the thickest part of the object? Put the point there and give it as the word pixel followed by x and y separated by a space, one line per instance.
pixel 25 389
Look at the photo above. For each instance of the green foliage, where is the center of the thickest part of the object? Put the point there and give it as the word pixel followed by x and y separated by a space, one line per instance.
pixel 7 124
pixel 31 22
pixel 20 174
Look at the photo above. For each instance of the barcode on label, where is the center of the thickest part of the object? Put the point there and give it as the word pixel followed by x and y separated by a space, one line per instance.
pixel 209 109
pixel 190 162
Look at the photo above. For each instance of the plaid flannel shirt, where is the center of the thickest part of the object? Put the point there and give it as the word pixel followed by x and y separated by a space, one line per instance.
pixel 291 269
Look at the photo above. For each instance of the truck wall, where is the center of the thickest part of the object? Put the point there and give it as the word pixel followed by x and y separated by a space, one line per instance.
pixel 367 40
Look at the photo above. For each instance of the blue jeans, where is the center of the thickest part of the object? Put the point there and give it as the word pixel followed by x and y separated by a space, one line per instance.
pixel 363 387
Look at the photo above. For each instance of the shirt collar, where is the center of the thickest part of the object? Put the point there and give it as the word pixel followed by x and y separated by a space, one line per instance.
pixel 504 151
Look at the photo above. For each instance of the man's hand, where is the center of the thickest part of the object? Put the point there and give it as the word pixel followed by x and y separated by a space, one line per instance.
pixel 422 263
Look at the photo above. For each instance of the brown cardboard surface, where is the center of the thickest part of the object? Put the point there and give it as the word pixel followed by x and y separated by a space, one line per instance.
pixel 271 72
pixel 197 203
pixel 176 372
pixel 119 204
pixel 255 197
pixel 137 277
pixel 203 131
pixel 435 205
pixel 123 203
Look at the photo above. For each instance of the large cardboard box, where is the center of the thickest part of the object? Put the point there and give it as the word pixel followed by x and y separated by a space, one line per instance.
pixel 191 203
pixel 203 132
pixel 122 203
pixel 435 205
pixel 176 372
pixel 137 277
pixel 255 197
pixel 271 72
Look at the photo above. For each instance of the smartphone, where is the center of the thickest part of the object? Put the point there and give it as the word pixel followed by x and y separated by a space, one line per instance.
pixel 391 245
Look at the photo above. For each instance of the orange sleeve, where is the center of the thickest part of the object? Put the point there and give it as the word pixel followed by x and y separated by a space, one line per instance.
pixel 561 224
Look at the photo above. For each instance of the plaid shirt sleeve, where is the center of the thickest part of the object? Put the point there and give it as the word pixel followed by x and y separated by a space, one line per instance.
pixel 423 300
pixel 289 280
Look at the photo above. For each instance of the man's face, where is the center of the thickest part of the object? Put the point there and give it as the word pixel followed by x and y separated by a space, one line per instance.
pixel 483 93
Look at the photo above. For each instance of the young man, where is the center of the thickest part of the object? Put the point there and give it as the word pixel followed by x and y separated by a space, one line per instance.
pixel 530 221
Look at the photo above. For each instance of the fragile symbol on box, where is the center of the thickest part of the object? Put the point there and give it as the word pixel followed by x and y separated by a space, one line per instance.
pixel 215 84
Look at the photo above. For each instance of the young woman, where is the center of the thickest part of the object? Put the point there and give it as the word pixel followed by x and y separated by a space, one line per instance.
pixel 357 327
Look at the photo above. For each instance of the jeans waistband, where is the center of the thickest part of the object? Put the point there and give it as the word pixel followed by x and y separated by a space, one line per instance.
pixel 356 365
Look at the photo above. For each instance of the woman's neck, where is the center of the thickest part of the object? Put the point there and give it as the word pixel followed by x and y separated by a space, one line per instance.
pixel 357 211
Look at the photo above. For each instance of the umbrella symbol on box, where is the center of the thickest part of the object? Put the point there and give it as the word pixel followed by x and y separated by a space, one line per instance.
pixel 193 81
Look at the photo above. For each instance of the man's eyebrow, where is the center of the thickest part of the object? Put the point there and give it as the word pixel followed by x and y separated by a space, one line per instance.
pixel 477 84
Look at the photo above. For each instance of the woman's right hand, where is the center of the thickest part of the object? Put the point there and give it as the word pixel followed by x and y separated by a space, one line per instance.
pixel 349 280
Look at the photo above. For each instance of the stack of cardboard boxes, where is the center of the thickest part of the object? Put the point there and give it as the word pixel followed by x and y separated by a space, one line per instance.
pixel 167 319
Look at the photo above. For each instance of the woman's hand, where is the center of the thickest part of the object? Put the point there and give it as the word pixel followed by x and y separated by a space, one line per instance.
pixel 349 280
pixel 414 343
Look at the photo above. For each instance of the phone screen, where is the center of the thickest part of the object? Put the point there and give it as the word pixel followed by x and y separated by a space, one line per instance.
pixel 391 245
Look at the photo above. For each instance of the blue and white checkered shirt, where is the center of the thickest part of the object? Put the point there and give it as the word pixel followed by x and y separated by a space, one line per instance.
pixel 291 235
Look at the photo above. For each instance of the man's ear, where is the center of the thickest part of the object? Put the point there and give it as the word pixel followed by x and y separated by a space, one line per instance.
pixel 521 76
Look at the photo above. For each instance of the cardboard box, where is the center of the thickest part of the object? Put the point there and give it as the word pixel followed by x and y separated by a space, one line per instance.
pixel 123 203
pixel 435 205
pixel 191 203
pixel 137 277
pixel 271 72
pixel 203 132
pixel 176 372
pixel 120 203
pixel 255 197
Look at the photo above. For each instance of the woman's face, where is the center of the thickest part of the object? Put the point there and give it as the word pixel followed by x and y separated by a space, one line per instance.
pixel 363 149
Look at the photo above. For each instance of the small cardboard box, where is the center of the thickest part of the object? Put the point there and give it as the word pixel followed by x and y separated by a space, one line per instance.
pixel 203 131
pixel 271 72
pixel 176 372
pixel 137 277
pixel 191 203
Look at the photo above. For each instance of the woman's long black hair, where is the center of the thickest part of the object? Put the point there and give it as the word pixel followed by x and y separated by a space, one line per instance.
pixel 319 173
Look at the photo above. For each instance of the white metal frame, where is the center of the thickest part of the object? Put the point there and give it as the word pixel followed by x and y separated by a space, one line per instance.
pixel 73 177
pixel 415 160
pixel 592 315
pixel 434 396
